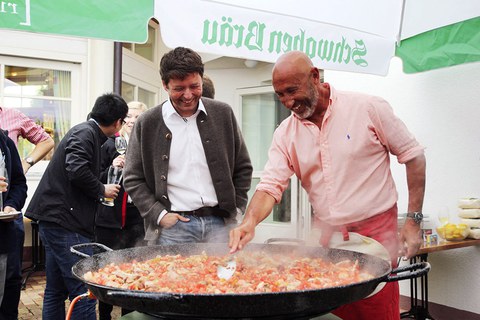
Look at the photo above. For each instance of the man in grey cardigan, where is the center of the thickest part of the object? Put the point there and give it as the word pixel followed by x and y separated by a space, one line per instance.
pixel 187 167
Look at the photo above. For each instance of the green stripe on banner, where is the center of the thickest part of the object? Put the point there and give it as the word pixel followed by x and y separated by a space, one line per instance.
pixel 447 46
pixel 119 20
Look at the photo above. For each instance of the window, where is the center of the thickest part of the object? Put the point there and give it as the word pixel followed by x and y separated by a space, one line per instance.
pixel 132 92
pixel 43 94
pixel 261 114
pixel 140 77
pixel 147 49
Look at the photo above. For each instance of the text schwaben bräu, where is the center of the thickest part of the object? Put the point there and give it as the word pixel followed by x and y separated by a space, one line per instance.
pixel 254 36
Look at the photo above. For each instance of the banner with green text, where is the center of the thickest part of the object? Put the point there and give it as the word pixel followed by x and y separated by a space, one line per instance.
pixel 118 20
pixel 235 31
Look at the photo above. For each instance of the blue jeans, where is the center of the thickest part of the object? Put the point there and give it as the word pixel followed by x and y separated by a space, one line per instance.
pixel 197 230
pixel 60 281
pixel 13 279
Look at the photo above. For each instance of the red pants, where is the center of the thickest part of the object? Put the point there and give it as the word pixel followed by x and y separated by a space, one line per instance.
pixel 385 304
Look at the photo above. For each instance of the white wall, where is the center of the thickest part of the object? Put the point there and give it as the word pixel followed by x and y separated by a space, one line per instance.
pixel 442 109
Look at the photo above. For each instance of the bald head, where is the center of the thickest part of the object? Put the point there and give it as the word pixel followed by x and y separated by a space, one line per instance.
pixel 292 61
pixel 297 83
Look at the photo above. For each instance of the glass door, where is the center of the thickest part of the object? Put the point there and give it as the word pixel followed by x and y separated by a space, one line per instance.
pixel 43 91
pixel 259 111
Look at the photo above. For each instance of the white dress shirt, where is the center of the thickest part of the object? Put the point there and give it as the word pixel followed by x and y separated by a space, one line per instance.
pixel 190 184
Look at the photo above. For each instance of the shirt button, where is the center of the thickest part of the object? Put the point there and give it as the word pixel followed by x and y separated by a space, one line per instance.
pixel 156 231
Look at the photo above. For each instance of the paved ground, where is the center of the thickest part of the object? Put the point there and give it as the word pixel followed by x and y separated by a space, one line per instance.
pixel 31 300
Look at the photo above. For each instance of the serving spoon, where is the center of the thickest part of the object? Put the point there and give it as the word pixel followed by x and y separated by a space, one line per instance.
pixel 226 271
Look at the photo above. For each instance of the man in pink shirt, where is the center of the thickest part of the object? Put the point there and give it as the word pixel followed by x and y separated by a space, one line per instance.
pixel 19 125
pixel 338 144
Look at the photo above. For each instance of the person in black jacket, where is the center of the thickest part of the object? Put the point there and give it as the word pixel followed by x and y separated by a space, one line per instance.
pixel 66 201
pixel 120 226
pixel 13 188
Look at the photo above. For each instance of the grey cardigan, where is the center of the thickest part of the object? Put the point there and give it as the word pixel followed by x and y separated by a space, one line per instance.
pixel 147 157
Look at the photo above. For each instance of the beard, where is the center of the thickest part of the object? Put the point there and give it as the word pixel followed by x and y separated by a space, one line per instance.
pixel 309 103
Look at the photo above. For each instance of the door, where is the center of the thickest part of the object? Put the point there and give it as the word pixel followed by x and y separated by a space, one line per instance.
pixel 46 91
pixel 260 112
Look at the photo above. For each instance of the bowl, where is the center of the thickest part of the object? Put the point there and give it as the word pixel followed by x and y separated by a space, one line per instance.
pixel 453 232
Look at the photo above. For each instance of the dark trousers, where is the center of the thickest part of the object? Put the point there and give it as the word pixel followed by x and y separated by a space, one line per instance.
pixel 129 237
pixel 61 283
pixel 13 279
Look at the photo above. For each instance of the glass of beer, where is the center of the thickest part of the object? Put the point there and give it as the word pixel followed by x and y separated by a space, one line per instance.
pixel 114 177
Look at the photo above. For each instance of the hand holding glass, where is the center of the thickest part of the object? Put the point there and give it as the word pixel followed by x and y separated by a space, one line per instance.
pixel 121 144
pixel 114 177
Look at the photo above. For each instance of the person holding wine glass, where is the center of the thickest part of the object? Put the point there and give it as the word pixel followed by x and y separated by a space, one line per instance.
pixel 120 226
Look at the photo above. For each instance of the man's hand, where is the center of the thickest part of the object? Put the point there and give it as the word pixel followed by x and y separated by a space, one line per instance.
pixel 3 184
pixel 259 208
pixel 241 235
pixel 9 209
pixel 112 190
pixel 171 218
pixel 119 161
pixel 410 239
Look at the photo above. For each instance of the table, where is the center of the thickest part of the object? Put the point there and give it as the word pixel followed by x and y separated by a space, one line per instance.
pixel 419 307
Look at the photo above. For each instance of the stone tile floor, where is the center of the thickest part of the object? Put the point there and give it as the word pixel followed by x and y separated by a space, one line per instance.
pixel 31 299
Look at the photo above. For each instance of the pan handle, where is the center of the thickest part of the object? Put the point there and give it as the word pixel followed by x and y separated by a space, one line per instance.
pixel 421 267
pixel 143 295
pixel 73 249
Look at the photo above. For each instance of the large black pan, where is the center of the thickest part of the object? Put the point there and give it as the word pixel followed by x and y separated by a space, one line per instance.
pixel 279 305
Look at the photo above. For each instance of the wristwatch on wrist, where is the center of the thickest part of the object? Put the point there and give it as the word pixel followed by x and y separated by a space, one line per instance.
pixel 416 216
pixel 30 161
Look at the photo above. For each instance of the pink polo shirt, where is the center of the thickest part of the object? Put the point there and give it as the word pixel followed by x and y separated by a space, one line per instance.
pixel 19 125
pixel 345 167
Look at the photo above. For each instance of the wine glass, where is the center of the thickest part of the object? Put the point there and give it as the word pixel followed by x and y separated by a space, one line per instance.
pixel 121 144
pixel 443 218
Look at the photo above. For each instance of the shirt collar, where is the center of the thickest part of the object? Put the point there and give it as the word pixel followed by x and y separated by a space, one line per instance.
pixel 168 110
pixel 95 121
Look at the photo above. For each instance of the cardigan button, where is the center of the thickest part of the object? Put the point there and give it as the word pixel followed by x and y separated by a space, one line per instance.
pixel 168 136
pixel 165 157
pixel 163 178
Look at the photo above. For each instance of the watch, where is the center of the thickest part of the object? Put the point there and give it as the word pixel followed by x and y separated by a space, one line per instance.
pixel 416 216
pixel 30 161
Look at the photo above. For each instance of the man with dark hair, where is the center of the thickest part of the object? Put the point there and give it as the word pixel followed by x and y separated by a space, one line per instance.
pixel 66 200
pixel 208 87
pixel 187 168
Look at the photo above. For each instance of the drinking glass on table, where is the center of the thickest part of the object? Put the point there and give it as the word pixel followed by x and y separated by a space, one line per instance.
pixel 114 177
pixel 121 144
pixel 443 218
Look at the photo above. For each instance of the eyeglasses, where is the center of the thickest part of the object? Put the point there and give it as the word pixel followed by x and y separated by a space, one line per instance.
pixel 123 121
